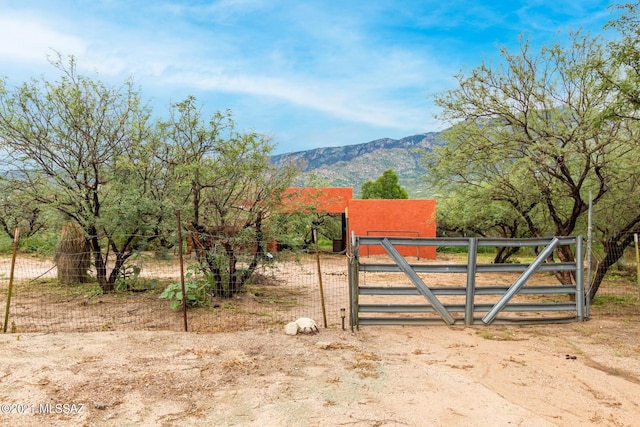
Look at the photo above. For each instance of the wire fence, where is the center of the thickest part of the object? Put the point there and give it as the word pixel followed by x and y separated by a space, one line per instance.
pixel 289 286
pixel 619 294
pixel 280 291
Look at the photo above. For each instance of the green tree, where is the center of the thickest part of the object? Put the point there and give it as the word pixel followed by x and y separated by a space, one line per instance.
pixel 618 220
pixel 535 135
pixel 18 209
pixel 191 144
pixel 82 148
pixel 226 179
pixel 465 212
pixel 385 187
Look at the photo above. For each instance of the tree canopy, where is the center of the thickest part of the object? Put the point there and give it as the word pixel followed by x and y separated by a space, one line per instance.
pixel 385 187
pixel 90 152
pixel 534 137
pixel 75 143
pixel 227 180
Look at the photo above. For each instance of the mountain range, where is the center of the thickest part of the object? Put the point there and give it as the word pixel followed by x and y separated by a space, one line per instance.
pixel 353 165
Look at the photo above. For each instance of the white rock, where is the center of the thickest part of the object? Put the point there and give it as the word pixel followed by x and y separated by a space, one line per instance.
pixel 291 328
pixel 306 326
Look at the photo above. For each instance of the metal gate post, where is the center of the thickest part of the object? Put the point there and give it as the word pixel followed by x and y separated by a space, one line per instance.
pixel 471 281
pixel 580 294
pixel 354 283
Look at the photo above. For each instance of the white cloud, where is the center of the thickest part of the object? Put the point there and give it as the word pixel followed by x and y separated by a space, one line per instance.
pixel 333 98
pixel 26 38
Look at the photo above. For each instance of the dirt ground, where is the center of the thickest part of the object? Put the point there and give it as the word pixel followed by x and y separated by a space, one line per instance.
pixel 552 375
pixel 585 374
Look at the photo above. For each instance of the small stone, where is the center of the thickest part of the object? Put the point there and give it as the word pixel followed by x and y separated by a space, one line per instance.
pixel 291 328
pixel 307 325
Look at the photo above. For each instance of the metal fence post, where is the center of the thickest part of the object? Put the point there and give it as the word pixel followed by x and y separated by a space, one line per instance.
pixel 580 294
pixel 16 241
pixel 352 256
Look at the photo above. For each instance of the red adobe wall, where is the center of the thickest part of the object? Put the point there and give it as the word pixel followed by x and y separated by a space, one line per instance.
pixel 397 217
pixel 325 200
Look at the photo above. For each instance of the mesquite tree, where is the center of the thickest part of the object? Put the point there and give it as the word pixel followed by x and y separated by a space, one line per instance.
pixel 536 136
pixel 83 148
pixel 18 209
pixel 229 188
pixel 387 186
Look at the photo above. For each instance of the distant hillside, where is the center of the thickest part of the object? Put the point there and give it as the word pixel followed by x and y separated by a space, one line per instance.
pixel 352 165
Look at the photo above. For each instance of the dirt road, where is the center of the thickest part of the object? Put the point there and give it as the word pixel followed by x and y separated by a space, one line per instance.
pixel 566 375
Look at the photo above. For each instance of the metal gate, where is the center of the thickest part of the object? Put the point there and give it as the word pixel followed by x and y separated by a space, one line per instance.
pixel 520 301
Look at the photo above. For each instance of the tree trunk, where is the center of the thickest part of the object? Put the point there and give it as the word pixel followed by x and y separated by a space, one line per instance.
pixel 504 253
pixel 613 251
pixel 232 287
pixel 101 267
pixel 120 260
pixel 565 254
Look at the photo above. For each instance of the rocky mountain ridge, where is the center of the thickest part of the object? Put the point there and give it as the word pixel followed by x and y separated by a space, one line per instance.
pixel 352 165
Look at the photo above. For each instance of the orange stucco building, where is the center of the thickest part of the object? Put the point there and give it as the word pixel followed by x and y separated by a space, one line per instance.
pixel 396 217
pixel 371 217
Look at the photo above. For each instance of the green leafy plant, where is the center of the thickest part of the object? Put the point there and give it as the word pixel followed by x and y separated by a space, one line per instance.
pixel 197 287
pixel 128 278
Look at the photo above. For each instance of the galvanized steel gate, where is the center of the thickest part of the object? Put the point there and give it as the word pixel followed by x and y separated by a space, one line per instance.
pixel 488 304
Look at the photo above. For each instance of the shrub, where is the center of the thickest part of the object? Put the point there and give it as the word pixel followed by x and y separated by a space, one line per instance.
pixel 197 287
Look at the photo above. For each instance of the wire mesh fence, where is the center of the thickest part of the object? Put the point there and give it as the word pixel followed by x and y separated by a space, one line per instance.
pixel 281 290
pixel 619 294
pixel 288 286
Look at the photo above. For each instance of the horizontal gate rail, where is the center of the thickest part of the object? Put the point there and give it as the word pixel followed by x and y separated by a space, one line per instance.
pixel 464 241
pixel 460 268
pixel 481 290
pixel 425 308
pixel 435 321
pixel 471 311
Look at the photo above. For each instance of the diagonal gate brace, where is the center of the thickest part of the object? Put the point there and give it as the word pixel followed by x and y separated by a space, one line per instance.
pixel 419 284
pixel 515 288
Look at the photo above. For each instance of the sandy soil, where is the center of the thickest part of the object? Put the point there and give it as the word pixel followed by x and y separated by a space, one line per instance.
pixel 565 375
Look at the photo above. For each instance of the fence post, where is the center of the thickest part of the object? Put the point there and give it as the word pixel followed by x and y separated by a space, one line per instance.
pixel 589 253
pixel 635 239
pixel 16 238
pixel 353 257
pixel 324 310
pixel 184 294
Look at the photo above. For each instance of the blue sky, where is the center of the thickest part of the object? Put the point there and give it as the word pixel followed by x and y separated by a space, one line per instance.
pixel 308 73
